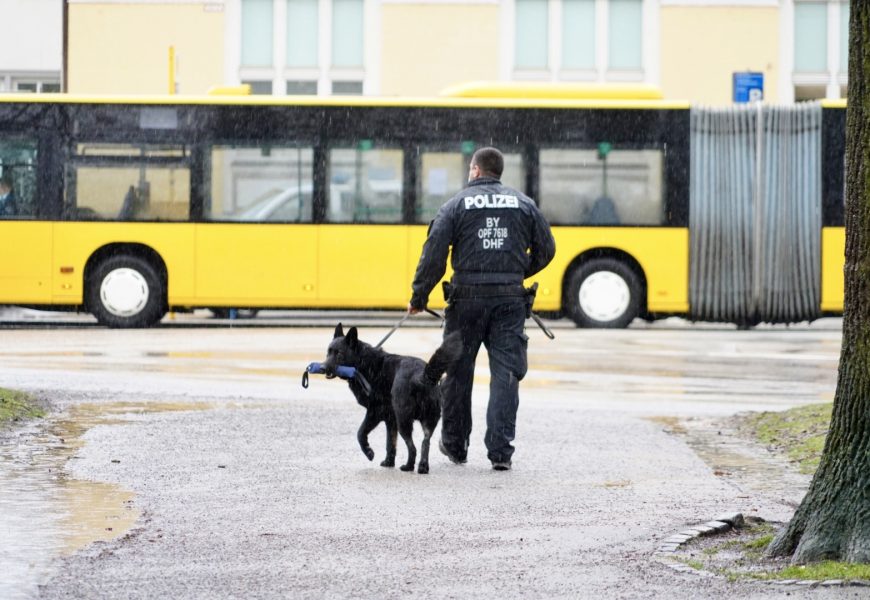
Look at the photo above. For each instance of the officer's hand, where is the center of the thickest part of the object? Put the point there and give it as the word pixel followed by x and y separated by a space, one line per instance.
pixel 413 311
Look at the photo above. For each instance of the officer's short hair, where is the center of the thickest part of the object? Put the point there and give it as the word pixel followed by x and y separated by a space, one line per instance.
pixel 490 161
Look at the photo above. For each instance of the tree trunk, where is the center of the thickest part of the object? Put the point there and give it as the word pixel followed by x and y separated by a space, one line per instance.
pixel 833 521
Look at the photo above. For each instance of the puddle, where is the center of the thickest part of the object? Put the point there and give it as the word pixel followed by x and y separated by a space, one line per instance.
pixel 670 424
pixel 44 512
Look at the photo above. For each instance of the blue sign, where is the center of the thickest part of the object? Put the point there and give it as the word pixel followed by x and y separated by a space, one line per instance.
pixel 748 87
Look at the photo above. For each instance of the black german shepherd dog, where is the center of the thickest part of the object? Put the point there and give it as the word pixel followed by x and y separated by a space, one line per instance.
pixel 404 389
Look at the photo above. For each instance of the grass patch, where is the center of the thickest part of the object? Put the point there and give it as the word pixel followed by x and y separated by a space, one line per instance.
pixel 825 570
pixel 799 432
pixel 15 406
pixel 695 564
pixel 740 557
pixel 754 549
pixel 759 543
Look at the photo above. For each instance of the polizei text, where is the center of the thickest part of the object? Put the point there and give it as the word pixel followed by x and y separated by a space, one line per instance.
pixel 491 201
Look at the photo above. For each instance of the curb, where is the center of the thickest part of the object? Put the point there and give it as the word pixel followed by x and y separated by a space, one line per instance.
pixel 669 547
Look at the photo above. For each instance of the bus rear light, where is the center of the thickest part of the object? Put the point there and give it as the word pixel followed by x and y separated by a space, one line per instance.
pixel 66 270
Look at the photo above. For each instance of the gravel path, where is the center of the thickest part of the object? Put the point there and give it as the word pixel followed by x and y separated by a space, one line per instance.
pixel 251 487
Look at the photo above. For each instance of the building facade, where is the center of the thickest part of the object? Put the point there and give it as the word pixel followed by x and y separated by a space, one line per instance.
pixel 31 47
pixel 691 49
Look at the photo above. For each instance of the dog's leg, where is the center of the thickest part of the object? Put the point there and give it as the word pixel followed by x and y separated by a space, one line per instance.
pixel 362 435
pixel 423 467
pixel 390 460
pixel 406 430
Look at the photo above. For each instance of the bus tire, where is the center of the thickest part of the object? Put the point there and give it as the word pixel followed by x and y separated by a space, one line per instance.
pixel 603 293
pixel 125 291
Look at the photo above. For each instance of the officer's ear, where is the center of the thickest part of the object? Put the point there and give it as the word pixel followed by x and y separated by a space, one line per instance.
pixel 339 332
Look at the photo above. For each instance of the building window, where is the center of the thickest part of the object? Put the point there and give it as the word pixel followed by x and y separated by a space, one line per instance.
pixel 625 32
pixel 302 39
pixel 260 87
pixel 844 38
pixel 301 88
pixel 302 46
pixel 347 88
pixel 32 83
pixel 347 33
pixel 820 48
pixel 810 37
pixel 257 33
pixel 593 40
pixel 532 39
pixel 578 34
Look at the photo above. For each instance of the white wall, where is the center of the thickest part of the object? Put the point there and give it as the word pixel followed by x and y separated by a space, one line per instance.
pixel 32 39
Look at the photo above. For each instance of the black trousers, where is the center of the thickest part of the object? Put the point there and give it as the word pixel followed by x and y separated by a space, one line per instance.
pixel 498 324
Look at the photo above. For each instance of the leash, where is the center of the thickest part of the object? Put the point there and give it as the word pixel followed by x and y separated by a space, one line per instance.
pixel 401 321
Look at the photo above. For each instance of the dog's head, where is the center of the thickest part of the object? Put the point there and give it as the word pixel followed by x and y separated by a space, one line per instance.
pixel 343 350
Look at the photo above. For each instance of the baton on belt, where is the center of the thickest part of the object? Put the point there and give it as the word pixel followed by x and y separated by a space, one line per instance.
pixel 531 292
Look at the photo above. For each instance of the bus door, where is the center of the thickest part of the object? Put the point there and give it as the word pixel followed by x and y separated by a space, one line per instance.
pixel 363 245
pixel 257 245
pixel 25 243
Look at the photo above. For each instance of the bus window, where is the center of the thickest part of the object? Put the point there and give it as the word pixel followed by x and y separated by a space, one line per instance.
pixel 17 178
pixel 514 174
pixel 128 183
pixel 262 183
pixel 444 174
pixel 602 186
pixel 365 185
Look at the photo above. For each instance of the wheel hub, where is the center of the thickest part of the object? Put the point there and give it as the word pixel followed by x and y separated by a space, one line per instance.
pixel 124 292
pixel 604 296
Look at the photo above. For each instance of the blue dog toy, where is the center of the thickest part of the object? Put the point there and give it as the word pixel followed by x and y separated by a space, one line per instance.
pixel 342 371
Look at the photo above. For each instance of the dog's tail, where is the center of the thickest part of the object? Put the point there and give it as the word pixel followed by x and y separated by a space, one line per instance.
pixel 444 356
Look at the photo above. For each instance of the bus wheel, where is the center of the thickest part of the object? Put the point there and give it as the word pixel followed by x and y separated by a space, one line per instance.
pixel 603 293
pixel 126 291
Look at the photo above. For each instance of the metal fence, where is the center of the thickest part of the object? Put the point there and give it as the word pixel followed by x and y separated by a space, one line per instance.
pixel 755 213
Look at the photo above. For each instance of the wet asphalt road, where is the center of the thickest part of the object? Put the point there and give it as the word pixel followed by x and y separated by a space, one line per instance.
pixel 245 485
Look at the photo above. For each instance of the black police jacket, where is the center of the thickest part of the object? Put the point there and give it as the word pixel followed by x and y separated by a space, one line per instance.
pixel 498 236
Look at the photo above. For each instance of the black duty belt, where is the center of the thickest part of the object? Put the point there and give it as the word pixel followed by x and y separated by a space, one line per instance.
pixel 487 291
pixel 455 292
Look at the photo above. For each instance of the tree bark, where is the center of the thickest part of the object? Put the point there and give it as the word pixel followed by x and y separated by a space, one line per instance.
pixel 833 520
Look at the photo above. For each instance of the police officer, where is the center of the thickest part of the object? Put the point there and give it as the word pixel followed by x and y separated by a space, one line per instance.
pixel 499 238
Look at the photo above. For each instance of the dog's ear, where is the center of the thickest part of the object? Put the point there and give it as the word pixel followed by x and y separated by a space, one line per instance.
pixel 338 331
pixel 351 336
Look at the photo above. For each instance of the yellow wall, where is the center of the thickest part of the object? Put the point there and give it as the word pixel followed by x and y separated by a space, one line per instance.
pixel 123 48
pixel 427 47
pixel 702 46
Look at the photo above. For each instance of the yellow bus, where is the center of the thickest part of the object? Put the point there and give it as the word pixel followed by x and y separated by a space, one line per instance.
pixel 129 207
